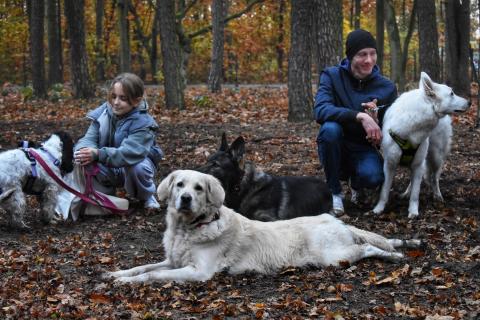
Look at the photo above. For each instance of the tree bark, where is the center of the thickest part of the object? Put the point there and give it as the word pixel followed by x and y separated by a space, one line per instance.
pixel 300 97
pixel 74 12
pixel 398 56
pixel 279 48
pixel 122 6
pixel 219 12
pixel 37 14
pixel 358 13
pixel 171 53
pixel 428 37
pixel 328 21
pixel 153 47
pixel 55 64
pixel 99 42
pixel 380 28
pixel 457 20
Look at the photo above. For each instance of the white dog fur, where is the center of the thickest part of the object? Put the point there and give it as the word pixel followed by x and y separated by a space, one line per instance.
pixel 419 116
pixel 204 237
pixel 15 168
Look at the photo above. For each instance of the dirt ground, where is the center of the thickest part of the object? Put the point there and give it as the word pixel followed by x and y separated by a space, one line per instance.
pixel 55 271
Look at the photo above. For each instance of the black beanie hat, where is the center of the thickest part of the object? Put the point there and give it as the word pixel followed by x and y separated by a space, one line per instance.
pixel 357 40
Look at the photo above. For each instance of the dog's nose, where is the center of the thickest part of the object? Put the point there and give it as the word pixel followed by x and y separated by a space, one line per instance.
pixel 186 198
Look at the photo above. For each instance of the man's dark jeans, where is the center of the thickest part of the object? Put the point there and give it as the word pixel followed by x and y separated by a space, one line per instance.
pixel 343 159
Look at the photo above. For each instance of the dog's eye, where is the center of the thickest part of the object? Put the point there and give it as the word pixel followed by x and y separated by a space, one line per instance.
pixel 198 188
pixel 180 184
pixel 451 93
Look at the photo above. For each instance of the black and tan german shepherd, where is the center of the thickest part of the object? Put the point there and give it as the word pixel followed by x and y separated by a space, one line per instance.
pixel 259 195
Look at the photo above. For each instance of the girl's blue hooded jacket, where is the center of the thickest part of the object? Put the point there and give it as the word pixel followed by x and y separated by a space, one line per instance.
pixel 340 96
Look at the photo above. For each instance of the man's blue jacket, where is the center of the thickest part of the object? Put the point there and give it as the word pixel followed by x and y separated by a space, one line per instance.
pixel 340 96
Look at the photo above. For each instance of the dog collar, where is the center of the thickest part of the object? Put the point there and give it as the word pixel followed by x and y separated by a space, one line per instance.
pixel 408 149
pixel 215 218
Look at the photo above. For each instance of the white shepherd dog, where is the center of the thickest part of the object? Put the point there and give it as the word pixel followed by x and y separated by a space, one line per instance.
pixel 415 120
pixel 204 237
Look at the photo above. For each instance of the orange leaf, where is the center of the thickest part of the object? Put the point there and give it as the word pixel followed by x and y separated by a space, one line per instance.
pixel 99 298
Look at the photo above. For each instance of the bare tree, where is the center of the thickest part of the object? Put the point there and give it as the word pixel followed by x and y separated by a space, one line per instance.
pixel 74 12
pixel 398 54
pixel 99 42
pixel 300 97
pixel 357 14
pixel 123 26
pixel 36 12
pixel 219 12
pixel 328 22
pixel 380 28
pixel 176 45
pixel 280 18
pixel 172 59
pixel 55 61
pixel 428 37
pixel 457 20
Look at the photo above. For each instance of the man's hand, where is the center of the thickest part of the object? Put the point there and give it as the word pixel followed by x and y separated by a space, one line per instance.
pixel 374 133
pixel 86 156
pixel 371 109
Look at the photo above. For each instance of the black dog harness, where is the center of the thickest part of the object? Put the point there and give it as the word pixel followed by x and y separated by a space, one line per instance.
pixel 408 149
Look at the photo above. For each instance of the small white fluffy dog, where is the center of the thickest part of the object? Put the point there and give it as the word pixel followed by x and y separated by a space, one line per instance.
pixel 15 169
pixel 204 237
pixel 419 117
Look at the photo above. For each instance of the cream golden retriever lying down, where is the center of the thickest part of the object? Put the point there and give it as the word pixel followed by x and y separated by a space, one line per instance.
pixel 204 237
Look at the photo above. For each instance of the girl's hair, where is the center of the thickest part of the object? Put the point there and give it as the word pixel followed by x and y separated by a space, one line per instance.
pixel 132 86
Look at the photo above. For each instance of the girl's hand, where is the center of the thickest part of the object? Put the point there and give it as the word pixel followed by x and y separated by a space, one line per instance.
pixel 86 156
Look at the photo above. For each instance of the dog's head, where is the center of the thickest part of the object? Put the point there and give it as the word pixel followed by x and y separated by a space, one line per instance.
pixel 62 143
pixel 442 97
pixel 227 165
pixel 192 194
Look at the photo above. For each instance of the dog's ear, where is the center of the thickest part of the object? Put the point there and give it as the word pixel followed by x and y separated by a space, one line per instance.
pixel 237 150
pixel 427 85
pixel 215 192
pixel 165 187
pixel 223 143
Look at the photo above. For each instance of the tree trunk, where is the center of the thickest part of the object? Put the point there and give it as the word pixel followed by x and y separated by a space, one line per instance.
pixel 99 42
pixel 219 12
pixel 300 97
pixel 74 12
pixel 328 23
pixel 457 20
pixel 171 53
pixel 358 13
pixel 123 27
pixel 153 47
pixel 395 46
pixel 279 48
pixel 428 37
pixel 55 63
pixel 37 14
pixel 380 27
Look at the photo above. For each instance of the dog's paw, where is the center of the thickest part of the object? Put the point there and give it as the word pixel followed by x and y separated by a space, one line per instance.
pixel 122 280
pixel 412 215
pixel 111 275
pixel 396 257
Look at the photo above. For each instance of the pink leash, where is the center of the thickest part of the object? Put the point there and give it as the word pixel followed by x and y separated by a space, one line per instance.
pixel 98 199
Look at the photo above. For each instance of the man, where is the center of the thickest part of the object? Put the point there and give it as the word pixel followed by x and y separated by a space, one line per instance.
pixel 346 105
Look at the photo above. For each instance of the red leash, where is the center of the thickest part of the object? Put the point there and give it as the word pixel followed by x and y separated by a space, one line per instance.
pixel 95 198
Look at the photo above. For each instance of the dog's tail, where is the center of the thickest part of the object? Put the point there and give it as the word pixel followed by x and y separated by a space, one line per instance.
pixel 381 242
pixel 5 194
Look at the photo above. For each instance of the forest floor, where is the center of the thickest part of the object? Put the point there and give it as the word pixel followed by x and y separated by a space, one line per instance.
pixel 55 272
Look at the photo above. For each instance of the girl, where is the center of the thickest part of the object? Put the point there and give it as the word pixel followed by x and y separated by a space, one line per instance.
pixel 121 139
